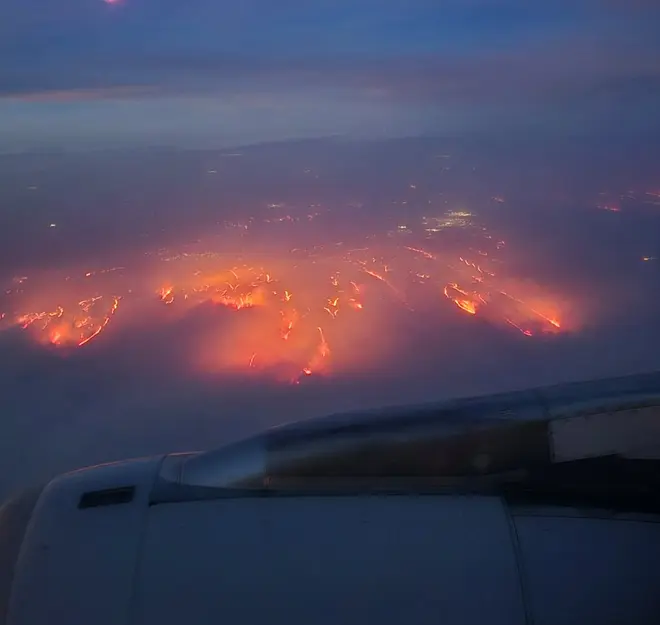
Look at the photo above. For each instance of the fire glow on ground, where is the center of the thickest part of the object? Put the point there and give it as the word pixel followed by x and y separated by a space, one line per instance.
pixel 296 313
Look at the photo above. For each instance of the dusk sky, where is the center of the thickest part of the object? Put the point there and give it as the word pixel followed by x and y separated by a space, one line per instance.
pixel 209 73
pixel 217 216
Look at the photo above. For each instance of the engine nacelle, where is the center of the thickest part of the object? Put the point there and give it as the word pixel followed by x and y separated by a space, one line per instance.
pixel 540 506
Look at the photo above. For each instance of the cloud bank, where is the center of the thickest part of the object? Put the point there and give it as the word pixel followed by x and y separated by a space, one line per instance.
pixel 146 72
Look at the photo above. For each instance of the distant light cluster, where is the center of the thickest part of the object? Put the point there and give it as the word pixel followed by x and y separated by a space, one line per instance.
pixel 451 219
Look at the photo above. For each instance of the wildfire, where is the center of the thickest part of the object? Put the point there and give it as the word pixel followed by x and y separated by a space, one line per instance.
pixel 289 318
pixel 75 325
pixel 461 298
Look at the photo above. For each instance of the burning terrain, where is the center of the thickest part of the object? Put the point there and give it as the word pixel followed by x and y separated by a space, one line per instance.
pixel 292 314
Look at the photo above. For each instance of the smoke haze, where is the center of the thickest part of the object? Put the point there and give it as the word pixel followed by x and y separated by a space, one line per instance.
pixel 159 299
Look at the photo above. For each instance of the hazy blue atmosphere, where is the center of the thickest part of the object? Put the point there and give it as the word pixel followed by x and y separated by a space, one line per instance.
pixel 216 217
pixel 86 73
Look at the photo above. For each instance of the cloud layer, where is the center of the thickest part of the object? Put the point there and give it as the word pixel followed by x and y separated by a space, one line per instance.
pixel 182 71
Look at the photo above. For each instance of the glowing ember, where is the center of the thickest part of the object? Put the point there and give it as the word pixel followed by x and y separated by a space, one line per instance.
pixel 461 298
pixel 292 316
pixel 76 325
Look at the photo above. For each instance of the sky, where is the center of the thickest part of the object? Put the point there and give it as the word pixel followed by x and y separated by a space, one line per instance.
pixel 210 73
pixel 293 135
